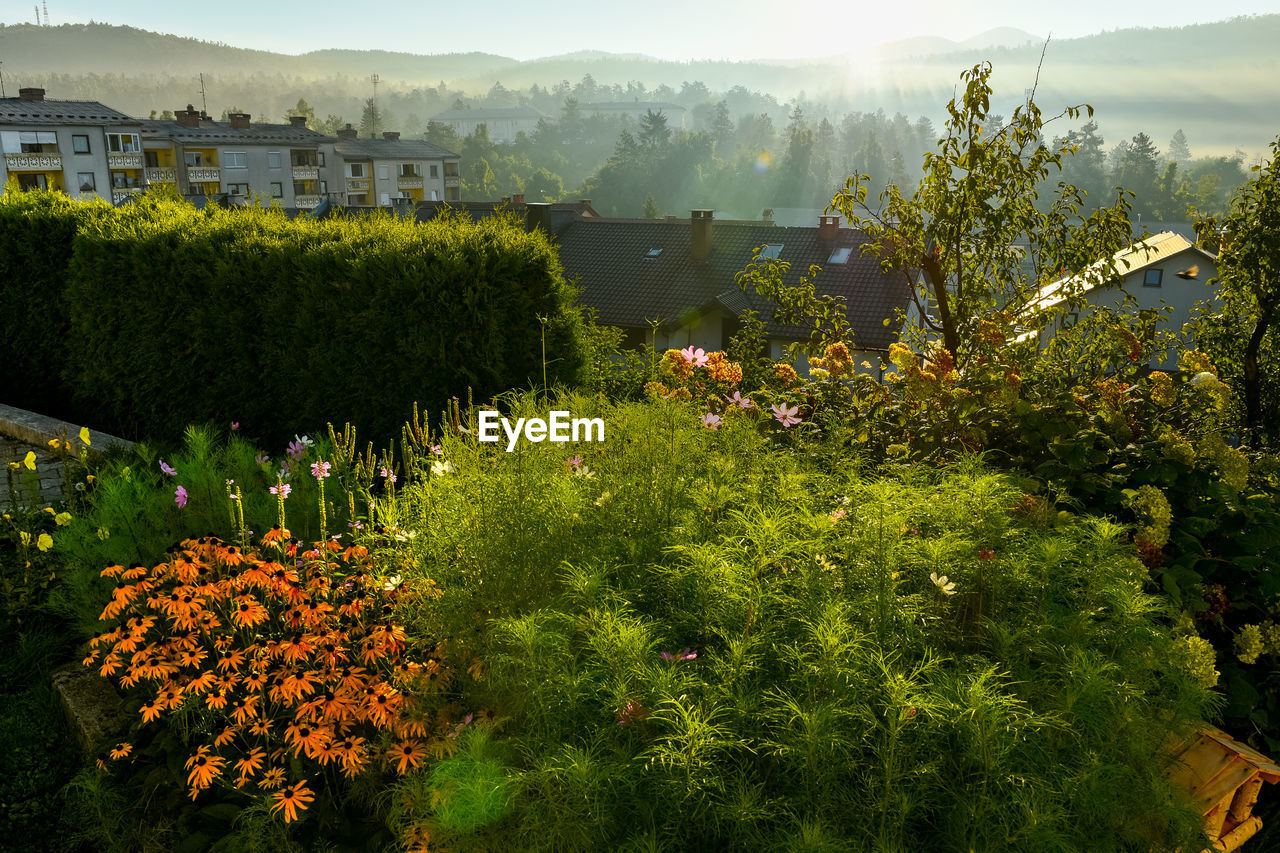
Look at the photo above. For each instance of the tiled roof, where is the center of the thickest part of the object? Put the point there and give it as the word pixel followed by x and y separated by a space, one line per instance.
pixel 562 213
pixel 612 263
pixel 23 111
pixel 391 149
pixel 222 133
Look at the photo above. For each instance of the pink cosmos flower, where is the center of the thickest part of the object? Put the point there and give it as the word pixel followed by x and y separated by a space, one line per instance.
pixel 786 415
pixel 167 468
pixel 696 357
pixel 180 497
pixel 320 470
pixel 673 657
pixel 387 473
pixel 262 459
pixel 282 490
pixel 435 448
pixel 740 401
pixel 575 462
pixel 711 420
pixel 235 425
pixel 839 515
pixel 296 450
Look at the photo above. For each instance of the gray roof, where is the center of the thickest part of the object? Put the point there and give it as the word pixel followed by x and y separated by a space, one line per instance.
pixel 483 114
pixel 390 149
pixel 222 133
pixel 23 111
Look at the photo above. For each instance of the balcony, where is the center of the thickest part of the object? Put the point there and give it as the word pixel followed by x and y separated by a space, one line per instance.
pixel 120 195
pixel 306 173
pixel 306 201
pixel 162 175
pixel 452 181
pixel 204 174
pixel 124 161
pixel 408 182
pixel 357 185
pixel 33 162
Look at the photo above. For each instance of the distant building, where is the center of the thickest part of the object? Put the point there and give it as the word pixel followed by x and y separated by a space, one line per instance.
pixel 502 124
pixel 390 171
pixel 280 163
pixel 82 148
pixel 560 213
pixel 635 110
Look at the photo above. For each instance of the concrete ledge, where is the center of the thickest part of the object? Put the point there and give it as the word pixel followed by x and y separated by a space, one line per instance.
pixel 94 710
pixel 39 430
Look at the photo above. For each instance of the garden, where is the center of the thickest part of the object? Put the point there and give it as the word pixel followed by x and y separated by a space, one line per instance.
pixel 973 607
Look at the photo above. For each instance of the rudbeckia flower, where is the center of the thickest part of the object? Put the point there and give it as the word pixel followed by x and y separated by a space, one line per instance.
pixel 292 800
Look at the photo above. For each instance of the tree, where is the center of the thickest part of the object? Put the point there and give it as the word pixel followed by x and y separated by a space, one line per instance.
pixel 1139 172
pixel 971 232
pixel 332 124
pixel 721 127
pixel 1178 150
pixel 1086 167
pixel 654 131
pixel 650 208
pixel 374 118
pixel 304 109
pixel 444 135
pixel 1249 270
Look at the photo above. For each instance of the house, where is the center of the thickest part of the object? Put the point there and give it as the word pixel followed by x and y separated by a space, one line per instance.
pixel 675 279
pixel 379 172
pixel 82 148
pixel 502 124
pixel 1161 271
pixel 561 213
pixel 636 109
pixel 280 163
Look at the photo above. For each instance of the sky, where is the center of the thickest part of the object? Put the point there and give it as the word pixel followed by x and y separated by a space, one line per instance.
pixel 668 29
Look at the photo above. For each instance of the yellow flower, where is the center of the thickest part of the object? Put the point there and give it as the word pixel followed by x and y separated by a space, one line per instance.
pixel 25 537
pixel 62 519
pixel 30 461
pixel 84 435
pixel 45 542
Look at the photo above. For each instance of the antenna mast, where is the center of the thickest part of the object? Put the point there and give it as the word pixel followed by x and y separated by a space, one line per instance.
pixel 2 94
pixel 45 3
pixel 374 79
pixel 204 102
pixel 37 8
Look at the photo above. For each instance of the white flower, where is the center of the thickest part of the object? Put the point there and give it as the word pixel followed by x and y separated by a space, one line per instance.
pixel 303 440
pixel 583 471
pixel 1202 377
pixel 941 582
pixel 439 469
pixel 391 583
pixel 600 501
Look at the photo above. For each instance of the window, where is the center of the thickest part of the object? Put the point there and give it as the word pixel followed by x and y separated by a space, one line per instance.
pixel 771 252
pixel 357 199
pixel 840 256
pixel 1153 278
pixel 29 142
pixel 238 189
pixel 80 143
pixel 277 189
pixel 435 170
pixel 193 158
pixel 409 170
pixel 319 158
pixel 123 181
pixel 324 188
pixel 384 172
pixel 355 170
pixel 86 182
pixel 151 159
pixel 652 253
pixel 300 188
pixel 123 143
pixel 273 159
pixel 196 189
pixel 235 160
pixel 435 194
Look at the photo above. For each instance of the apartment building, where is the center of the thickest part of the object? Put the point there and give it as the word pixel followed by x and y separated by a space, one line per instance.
pixel 277 163
pixel 82 148
pixel 502 124
pixel 390 171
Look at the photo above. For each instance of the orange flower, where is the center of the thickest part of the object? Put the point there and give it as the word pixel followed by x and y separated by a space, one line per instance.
pixel 248 612
pixel 249 765
pixel 306 738
pixel 273 778
pixel 353 755
pixel 292 799
pixel 408 753
pixel 204 768
pixel 150 711
pixel 121 751
pixel 227 735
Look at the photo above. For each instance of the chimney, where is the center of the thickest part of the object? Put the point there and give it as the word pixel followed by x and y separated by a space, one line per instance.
pixel 347 132
pixel 766 215
pixel 585 202
pixel 537 214
pixel 239 121
pixel 518 198
pixel 391 134
pixel 298 121
pixel 828 227
pixel 700 241
pixel 31 93
pixel 188 117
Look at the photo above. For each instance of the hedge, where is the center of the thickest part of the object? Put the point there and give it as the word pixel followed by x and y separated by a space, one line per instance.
pixel 181 316
pixel 36 233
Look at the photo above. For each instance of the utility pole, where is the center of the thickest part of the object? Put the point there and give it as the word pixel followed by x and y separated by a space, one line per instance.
pixel 37 8
pixel 374 79
pixel 2 94
pixel 204 102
